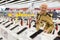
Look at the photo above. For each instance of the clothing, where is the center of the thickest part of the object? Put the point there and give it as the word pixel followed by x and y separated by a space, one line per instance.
pixel 44 18
pixel 54 14
pixel 50 13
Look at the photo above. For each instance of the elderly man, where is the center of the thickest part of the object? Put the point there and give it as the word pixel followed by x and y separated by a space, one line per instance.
pixel 42 17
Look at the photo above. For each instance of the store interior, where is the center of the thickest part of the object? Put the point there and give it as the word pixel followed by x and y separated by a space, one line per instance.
pixel 18 19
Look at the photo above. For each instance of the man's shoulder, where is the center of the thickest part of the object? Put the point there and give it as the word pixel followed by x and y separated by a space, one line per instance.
pixel 54 12
pixel 48 14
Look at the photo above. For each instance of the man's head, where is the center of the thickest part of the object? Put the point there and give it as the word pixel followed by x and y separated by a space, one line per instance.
pixel 43 7
pixel 54 10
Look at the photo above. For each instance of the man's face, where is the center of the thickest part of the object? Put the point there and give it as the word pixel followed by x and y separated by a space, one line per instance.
pixel 43 7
